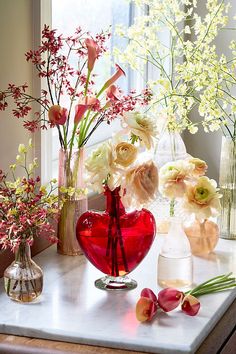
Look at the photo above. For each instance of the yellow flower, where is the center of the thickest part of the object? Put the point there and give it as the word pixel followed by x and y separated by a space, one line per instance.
pixel 126 154
pixel 22 149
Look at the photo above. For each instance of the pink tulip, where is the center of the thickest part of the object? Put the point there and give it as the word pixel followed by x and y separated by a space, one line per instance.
pixel 57 115
pixel 93 51
pixel 190 305
pixel 113 93
pixel 169 299
pixel 119 72
pixel 83 105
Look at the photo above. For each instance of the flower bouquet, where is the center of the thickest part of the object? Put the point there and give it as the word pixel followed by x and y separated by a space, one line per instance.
pixel 27 210
pixel 67 64
pixel 117 240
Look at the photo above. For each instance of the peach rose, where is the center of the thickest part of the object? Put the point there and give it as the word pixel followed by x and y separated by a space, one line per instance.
pixel 140 186
pixel 126 154
pixel 173 176
pixel 200 167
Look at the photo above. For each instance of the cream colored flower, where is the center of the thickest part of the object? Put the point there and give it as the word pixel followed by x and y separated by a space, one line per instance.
pixel 173 176
pixel 202 198
pixel 200 167
pixel 126 154
pixel 22 149
pixel 100 168
pixel 140 185
pixel 141 126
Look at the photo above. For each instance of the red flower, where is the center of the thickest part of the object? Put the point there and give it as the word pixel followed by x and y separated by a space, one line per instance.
pixel 57 115
pixel 93 51
pixel 119 72
pixel 83 105
pixel 190 305
pixel 169 299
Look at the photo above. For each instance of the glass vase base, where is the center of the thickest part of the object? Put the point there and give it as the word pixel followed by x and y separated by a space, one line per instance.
pixel 227 236
pixel 115 283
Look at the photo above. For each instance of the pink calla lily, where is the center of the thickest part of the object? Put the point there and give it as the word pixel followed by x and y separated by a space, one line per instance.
pixel 83 105
pixel 190 305
pixel 113 93
pixel 93 51
pixel 169 299
pixel 119 72
pixel 57 115
pixel 145 309
pixel 146 292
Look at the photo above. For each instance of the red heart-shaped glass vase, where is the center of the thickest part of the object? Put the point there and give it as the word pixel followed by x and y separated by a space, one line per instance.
pixel 114 241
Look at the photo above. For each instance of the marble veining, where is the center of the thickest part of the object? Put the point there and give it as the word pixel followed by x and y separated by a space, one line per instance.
pixel 72 309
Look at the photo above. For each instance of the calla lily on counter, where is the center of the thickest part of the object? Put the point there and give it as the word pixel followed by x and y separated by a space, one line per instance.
pixel 147 305
pixel 190 305
pixel 169 299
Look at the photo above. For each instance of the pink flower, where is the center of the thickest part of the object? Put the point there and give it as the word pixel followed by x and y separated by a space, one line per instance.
pixel 83 105
pixel 57 115
pixel 119 72
pixel 93 51
pixel 169 299
pixel 146 306
pixel 190 305
pixel 113 93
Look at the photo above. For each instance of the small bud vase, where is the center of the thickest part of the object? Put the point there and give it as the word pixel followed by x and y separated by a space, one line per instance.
pixel 175 265
pixel 71 185
pixel 115 241
pixel 203 236
pixel 23 279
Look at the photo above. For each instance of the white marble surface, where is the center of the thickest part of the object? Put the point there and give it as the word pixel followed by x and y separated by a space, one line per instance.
pixel 72 309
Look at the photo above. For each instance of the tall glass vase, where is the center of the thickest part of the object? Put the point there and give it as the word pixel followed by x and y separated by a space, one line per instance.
pixel 170 147
pixel 71 185
pixel 23 279
pixel 228 188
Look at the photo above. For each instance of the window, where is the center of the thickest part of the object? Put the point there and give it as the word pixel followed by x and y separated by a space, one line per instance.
pixel 93 16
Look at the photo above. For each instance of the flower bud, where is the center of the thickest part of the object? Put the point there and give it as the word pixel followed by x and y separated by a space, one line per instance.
pixel 169 299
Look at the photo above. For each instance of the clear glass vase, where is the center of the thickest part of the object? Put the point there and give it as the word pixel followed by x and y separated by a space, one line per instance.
pixel 202 235
pixel 23 279
pixel 170 147
pixel 70 183
pixel 175 265
pixel 228 188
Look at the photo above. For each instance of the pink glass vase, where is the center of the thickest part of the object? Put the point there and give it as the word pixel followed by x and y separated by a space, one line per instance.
pixel 74 202
pixel 203 236
pixel 115 241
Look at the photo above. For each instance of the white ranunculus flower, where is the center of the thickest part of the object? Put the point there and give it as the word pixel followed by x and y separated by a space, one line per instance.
pixel 141 126
pixel 173 176
pixel 100 168
pixel 202 198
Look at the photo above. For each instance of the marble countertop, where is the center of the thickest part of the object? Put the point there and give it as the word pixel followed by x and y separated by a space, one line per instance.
pixel 72 309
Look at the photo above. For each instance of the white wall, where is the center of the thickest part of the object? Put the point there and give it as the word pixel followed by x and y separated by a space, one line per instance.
pixel 208 145
pixel 16 38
